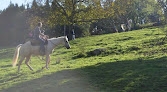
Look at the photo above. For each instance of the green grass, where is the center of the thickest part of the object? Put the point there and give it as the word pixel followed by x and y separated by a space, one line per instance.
pixel 132 62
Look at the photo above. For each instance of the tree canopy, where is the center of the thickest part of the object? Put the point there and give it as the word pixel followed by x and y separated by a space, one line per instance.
pixel 61 16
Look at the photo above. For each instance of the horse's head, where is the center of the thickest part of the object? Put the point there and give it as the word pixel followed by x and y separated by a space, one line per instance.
pixel 66 43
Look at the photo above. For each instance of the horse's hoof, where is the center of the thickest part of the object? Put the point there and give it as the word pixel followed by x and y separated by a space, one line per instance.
pixel 18 71
pixel 43 68
pixel 47 68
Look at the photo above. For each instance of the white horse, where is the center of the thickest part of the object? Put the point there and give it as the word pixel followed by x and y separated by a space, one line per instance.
pixel 128 26
pixel 26 50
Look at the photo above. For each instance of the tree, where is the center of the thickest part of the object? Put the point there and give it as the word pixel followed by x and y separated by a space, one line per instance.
pixel 70 12
pixel 12 24
pixel 140 11
pixel 163 5
pixel 34 4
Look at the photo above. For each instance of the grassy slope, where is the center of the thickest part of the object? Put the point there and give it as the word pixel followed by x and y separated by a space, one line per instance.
pixel 132 62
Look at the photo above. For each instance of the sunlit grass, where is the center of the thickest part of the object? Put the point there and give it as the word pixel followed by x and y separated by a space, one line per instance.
pixel 132 62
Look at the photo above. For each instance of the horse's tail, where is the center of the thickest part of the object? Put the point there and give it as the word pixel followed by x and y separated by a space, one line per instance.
pixel 16 55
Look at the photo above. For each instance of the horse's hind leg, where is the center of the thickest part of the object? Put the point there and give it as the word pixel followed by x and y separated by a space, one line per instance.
pixel 21 60
pixel 27 63
pixel 47 62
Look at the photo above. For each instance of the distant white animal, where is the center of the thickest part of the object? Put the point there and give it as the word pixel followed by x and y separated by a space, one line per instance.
pixel 127 26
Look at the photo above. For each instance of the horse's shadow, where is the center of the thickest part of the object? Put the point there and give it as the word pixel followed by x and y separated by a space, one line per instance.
pixel 38 71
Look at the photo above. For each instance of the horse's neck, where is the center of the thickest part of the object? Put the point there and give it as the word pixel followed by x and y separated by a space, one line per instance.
pixel 56 41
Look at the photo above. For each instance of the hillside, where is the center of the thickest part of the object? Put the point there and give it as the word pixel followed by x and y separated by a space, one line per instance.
pixel 132 61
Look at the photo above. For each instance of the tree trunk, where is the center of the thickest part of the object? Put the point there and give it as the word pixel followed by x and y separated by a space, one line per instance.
pixel 64 30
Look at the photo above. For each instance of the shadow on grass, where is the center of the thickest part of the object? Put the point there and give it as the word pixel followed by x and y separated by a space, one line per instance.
pixel 129 76
pixel 62 81
pixel 15 76
pixel 5 66
pixel 123 76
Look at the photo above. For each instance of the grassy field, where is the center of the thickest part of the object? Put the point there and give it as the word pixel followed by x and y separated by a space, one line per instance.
pixel 132 61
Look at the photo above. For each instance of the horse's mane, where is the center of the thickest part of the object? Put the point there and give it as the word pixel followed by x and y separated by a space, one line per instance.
pixel 57 37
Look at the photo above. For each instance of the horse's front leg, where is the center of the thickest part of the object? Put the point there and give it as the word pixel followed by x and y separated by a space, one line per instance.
pixel 27 62
pixel 47 62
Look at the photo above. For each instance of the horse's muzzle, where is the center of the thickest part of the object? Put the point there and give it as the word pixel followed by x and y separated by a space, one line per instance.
pixel 68 47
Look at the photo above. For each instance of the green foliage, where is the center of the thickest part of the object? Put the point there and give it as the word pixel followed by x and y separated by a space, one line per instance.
pixel 140 11
pixel 12 24
pixel 84 28
pixel 106 14
pixel 17 22
pixel 162 4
